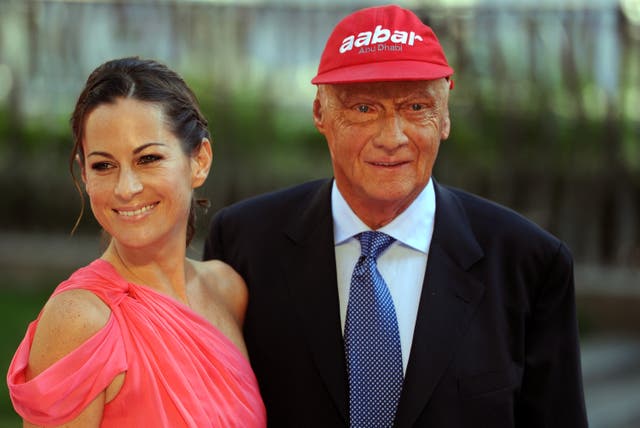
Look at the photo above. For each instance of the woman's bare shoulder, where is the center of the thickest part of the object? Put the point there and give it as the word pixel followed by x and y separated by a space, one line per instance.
pixel 225 283
pixel 68 319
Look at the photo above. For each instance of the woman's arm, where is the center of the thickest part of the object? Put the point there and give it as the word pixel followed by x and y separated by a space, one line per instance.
pixel 67 321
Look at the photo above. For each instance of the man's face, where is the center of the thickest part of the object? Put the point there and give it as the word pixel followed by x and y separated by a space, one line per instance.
pixel 383 139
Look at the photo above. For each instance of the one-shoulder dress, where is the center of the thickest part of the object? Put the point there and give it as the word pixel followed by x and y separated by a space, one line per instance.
pixel 180 370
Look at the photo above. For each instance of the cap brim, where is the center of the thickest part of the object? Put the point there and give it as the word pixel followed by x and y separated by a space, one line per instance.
pixel 384 72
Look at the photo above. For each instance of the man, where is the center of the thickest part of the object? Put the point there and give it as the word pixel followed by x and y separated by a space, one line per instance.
pixel 478 328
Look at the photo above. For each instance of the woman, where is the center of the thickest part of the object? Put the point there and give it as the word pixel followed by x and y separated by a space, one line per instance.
pixel 143 336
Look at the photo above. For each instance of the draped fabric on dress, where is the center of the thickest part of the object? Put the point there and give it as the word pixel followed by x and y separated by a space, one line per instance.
pixel 180 370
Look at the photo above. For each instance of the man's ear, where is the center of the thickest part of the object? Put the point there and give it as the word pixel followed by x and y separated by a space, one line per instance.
pixel 446 126
pixel 201 163
pixel 317 113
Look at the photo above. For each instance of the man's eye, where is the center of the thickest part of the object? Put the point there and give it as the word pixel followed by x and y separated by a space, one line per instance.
pixel 417 107
pixel 363 108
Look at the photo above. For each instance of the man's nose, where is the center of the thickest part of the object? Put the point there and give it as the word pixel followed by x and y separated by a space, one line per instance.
pixel 392 132
pixel 129 184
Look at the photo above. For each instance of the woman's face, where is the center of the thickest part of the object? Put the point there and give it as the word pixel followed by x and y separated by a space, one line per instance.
pixel 138 178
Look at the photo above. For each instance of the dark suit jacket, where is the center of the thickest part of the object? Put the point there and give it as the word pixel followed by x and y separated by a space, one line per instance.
pixel 495 342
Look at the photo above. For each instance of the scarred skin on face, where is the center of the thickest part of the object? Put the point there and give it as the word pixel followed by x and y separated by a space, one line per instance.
pixel 383 138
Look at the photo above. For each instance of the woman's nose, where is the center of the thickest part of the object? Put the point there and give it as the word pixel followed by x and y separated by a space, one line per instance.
pixel 129 184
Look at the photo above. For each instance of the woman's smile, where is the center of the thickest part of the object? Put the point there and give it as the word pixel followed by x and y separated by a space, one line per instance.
pixel 131 212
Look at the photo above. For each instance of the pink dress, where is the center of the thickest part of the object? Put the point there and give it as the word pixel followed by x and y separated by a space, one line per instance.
pixel 180 370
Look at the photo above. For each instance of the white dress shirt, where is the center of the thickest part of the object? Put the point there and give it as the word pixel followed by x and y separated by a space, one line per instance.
pixel 402 266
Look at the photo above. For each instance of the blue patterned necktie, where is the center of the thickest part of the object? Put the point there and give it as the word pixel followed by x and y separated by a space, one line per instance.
pixel 372 340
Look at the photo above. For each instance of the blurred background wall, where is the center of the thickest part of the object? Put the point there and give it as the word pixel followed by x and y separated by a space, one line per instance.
pixel 545 119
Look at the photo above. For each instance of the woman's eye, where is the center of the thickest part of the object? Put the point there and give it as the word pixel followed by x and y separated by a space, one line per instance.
pixel 100 166
pixel 148 159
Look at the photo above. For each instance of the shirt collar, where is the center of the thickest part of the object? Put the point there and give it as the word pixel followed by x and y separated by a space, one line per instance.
pixel 413 227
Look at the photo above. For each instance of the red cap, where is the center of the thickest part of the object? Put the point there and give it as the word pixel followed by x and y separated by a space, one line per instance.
pixel 380 44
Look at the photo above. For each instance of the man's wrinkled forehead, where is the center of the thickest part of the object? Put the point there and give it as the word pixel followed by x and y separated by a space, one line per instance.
pixel 398 89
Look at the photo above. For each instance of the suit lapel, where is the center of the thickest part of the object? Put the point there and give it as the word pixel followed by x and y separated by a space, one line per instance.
pixel 311 276
pixel 448 300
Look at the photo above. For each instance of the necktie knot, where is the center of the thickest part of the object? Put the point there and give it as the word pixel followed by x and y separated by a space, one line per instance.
pixel 373 244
